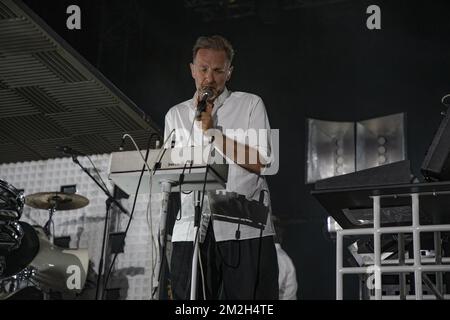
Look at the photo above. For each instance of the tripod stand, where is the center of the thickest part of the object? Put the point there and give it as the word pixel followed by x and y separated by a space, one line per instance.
pixel 197 224
pixel 109 201
pixel 48 224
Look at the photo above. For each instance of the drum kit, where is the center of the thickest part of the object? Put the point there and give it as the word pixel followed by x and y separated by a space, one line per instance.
pixel 28 255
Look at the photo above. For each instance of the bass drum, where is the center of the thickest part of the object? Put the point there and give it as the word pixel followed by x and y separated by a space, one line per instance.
pixel 59 269
pixel 11 202
pixel 39 263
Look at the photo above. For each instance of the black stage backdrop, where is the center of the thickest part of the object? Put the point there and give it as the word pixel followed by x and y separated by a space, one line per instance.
pixel 317 61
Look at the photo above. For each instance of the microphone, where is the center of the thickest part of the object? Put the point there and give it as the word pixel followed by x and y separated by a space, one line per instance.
pixel 69 151
pixel 122 144
pixel 172 143
pixel 205 94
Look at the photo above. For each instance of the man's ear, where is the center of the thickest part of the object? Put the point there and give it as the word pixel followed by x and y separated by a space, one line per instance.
pixel 230 71
pixel 191 65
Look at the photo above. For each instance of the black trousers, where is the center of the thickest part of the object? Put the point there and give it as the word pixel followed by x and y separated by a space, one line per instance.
pixel 233 270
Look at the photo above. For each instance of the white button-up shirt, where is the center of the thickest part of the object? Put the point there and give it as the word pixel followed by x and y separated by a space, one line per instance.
pixel 287 278
pixel 232 110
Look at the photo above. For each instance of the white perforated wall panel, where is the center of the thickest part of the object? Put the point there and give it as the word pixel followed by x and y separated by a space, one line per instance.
pixel 133 268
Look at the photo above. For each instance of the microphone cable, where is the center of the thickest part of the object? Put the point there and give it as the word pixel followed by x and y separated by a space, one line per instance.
pixel 258 264
pixel 180 183
pixel 150 218
pixel 134 203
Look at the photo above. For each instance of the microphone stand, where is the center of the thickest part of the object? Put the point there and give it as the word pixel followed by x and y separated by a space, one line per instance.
pixel 110 199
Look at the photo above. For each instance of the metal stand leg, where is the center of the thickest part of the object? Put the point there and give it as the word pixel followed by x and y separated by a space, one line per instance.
pixel 339 265
pixel 166 187
pixel 377 246
pixel 47 230
pixel 194 267
pixel 99 292
pixel 48 225
pixel 51 237
pixel 197 221
pixel 416 246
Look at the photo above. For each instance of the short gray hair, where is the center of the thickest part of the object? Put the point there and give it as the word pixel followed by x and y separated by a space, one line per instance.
pixel 215 42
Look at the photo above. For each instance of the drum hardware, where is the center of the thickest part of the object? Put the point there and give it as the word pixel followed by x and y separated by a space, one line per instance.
pixel 27 256
pixel 2 265
pixel 22 280
pixel 55 201
pixel 49 224
pixel 41 264
pixel 11 202
pixel 24 275
pixel 11 235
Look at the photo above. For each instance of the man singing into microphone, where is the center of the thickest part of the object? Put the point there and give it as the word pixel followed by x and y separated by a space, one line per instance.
pixel 238 259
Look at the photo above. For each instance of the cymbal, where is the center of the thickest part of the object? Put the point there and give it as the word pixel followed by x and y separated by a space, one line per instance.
pixel 57 200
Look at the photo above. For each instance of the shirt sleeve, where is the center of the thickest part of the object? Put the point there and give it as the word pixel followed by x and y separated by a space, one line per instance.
pixel 290 290
pixel 287 276
pixel 259 121
pixel 167 130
